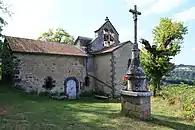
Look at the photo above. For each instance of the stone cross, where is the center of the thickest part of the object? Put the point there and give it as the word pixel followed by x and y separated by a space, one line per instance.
pixel 135 72
pixel 135 14
pixel 135 99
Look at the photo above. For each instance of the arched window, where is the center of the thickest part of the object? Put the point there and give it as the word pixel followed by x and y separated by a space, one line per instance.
pixel 105 31
pixel 112 37
pixel 111 32
pixel 106 37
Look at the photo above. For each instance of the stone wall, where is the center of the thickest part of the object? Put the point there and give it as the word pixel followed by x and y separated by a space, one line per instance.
pixel 102 64
pixel 109 27
pixel 136 106
pixel 121 57
pixel 35 68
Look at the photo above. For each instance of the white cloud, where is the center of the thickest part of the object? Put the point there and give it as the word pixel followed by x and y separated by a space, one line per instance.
pixel 155 6
pixel 193 49
pixel 162 6
pixel 186 15
pixel 29 17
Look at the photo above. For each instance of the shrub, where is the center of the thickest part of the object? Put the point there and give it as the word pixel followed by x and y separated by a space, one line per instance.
pixel 33 92
pixel 46 93
pixel 87 94
pixel 0 71
pixel 9 63
pixel 184 95
pixel 124 83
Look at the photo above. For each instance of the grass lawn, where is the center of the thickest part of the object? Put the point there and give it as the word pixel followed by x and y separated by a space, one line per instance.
pixel 29 112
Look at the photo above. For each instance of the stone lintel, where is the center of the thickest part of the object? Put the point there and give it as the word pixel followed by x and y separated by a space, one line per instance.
pixel 136 94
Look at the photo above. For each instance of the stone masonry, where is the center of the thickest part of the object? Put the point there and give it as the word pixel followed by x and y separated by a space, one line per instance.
pixel 98 62
pixel 135 105
pixel 121 56
pixel 35 68
pixel 103 71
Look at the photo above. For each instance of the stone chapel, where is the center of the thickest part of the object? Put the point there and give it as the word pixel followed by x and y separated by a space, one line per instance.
pixel 91 64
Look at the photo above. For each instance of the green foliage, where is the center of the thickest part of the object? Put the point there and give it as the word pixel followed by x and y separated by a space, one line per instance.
pixel 125 82
pixel 86 94
pixel 3 9
pixel 46 93
pixel 183 96
pixel 0 71
pixel 81 114
pixel 10 64
pixel 182 73
pixel 57 35
pixel 166 29
pixel 168 37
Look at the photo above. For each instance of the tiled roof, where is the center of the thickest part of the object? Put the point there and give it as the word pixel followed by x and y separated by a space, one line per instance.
pixel 84 40
pixel 111 48
pixel 24 45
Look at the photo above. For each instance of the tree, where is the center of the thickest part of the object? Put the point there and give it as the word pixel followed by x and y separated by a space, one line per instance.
pixel 3 9
pixel 155 58
pixel 9 63
pixel 57 35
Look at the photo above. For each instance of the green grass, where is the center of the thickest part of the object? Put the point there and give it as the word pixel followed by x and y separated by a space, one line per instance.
pixel 29 112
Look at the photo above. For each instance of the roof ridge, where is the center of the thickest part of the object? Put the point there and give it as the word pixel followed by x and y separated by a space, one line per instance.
pixel 80 49
pixel 104 24
pixel 25 45
pixel 112 48
pixel 45 42
pixel 85 37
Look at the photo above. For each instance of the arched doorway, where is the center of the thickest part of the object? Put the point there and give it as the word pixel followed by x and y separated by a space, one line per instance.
pixel 71 87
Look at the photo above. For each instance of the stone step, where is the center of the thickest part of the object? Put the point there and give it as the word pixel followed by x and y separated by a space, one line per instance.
pixel 101 97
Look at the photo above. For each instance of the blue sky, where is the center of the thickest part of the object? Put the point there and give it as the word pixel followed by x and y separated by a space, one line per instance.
pixel 83 17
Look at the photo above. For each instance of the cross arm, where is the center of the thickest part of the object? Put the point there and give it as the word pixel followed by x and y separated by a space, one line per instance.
pixel 135 12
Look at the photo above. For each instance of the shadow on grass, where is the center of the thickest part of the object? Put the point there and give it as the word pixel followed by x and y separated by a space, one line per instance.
pixel 84 113
pixel 104 111
pixel 171 122
pixel 59 118
pixel 170 118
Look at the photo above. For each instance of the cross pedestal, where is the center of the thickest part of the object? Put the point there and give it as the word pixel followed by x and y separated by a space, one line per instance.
pixel 135 100
pixel 136 104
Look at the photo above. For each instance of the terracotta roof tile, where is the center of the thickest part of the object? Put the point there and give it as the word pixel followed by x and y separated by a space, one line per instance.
pixel 25 45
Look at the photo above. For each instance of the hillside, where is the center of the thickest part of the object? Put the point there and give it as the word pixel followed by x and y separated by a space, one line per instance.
pixel 181 73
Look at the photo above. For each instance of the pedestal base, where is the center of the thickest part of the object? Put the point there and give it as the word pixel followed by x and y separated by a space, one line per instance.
pixel 136 104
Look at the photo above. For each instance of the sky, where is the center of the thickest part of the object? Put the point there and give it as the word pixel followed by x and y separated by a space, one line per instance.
pixel 82 17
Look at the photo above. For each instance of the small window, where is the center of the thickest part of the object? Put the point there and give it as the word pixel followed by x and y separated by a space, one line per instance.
pixel 49 83
pixel 128 64
pixel 87 81
pixel 111 31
